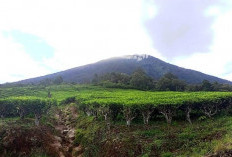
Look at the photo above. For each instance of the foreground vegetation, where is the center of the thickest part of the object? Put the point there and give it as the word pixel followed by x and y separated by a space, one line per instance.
pixel 111 102
pixel 203 137
pixel 168 82
pixel 103 113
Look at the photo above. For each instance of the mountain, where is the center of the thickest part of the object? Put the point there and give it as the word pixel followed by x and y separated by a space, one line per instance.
pixel 154 67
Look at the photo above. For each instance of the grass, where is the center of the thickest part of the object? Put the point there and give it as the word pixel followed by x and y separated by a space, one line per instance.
pixel 203 137
pixel 92 94
pixel 182 139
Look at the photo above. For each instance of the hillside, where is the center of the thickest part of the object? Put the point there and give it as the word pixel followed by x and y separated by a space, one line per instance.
pixel 154 67
pixel 72 125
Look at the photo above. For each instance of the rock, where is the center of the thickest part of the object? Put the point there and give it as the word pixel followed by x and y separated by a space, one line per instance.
pixel 65 148
pixel 72 138
pixel 77 151
pixel 56 145
pixel 71 133
pixel 58 138
pixel 61 154
pixel 65 131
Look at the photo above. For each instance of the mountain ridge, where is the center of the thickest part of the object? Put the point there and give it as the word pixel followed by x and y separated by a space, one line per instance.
pixel 153 66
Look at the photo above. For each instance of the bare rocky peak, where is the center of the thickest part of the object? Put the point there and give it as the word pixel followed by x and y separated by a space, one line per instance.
pixel 136 57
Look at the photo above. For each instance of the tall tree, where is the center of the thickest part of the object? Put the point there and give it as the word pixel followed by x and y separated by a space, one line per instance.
pixel 206 85
pixel 58 80
pixel 140 80
pixel 170 82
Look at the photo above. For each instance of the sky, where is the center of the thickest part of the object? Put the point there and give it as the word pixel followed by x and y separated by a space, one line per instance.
pixel 47 36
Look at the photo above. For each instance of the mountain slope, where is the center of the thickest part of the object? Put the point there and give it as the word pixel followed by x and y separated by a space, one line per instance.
pixel 154 67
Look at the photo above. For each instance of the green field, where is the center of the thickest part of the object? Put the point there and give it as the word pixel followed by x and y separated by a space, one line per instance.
pixel 119 116
pixel 93 97
pixel 93 94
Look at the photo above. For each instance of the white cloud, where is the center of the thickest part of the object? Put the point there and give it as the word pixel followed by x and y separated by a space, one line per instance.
pixel 86 31
pixel 81 32
pixel 218 61
pixel 15 63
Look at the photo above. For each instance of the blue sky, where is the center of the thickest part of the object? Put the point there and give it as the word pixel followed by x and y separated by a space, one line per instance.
pixel 36 47
pixel 42 37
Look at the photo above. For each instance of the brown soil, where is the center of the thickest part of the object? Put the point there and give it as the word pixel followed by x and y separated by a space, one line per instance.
pixel 66 133
pixel 20 141
pixel 227 153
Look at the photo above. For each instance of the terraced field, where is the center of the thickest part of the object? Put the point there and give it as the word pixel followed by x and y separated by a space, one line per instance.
pixel 124 118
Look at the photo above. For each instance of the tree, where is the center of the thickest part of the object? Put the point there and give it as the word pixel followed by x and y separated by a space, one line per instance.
pixel 164 84
pixel 206 85
pixel 105 111
pixel 146 111
pixel 140 80
pixel 193 88
pixel 95 79
pixel 49 94
pixel 39 107
pixel 170 82
pixel 170 76
pixel 46 82
pixel 7 108
pixel 209 109
pixel 22 108
pixel 129 114
pixel 178 85
pixel 187 108
pixel 167 111
pixel 58 80
pixel 113 77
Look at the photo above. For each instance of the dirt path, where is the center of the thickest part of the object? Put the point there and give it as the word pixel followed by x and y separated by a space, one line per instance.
pixel 227 153
pixel 66 133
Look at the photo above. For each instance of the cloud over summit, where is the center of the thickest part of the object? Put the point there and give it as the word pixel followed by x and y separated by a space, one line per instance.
pixel 181 27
